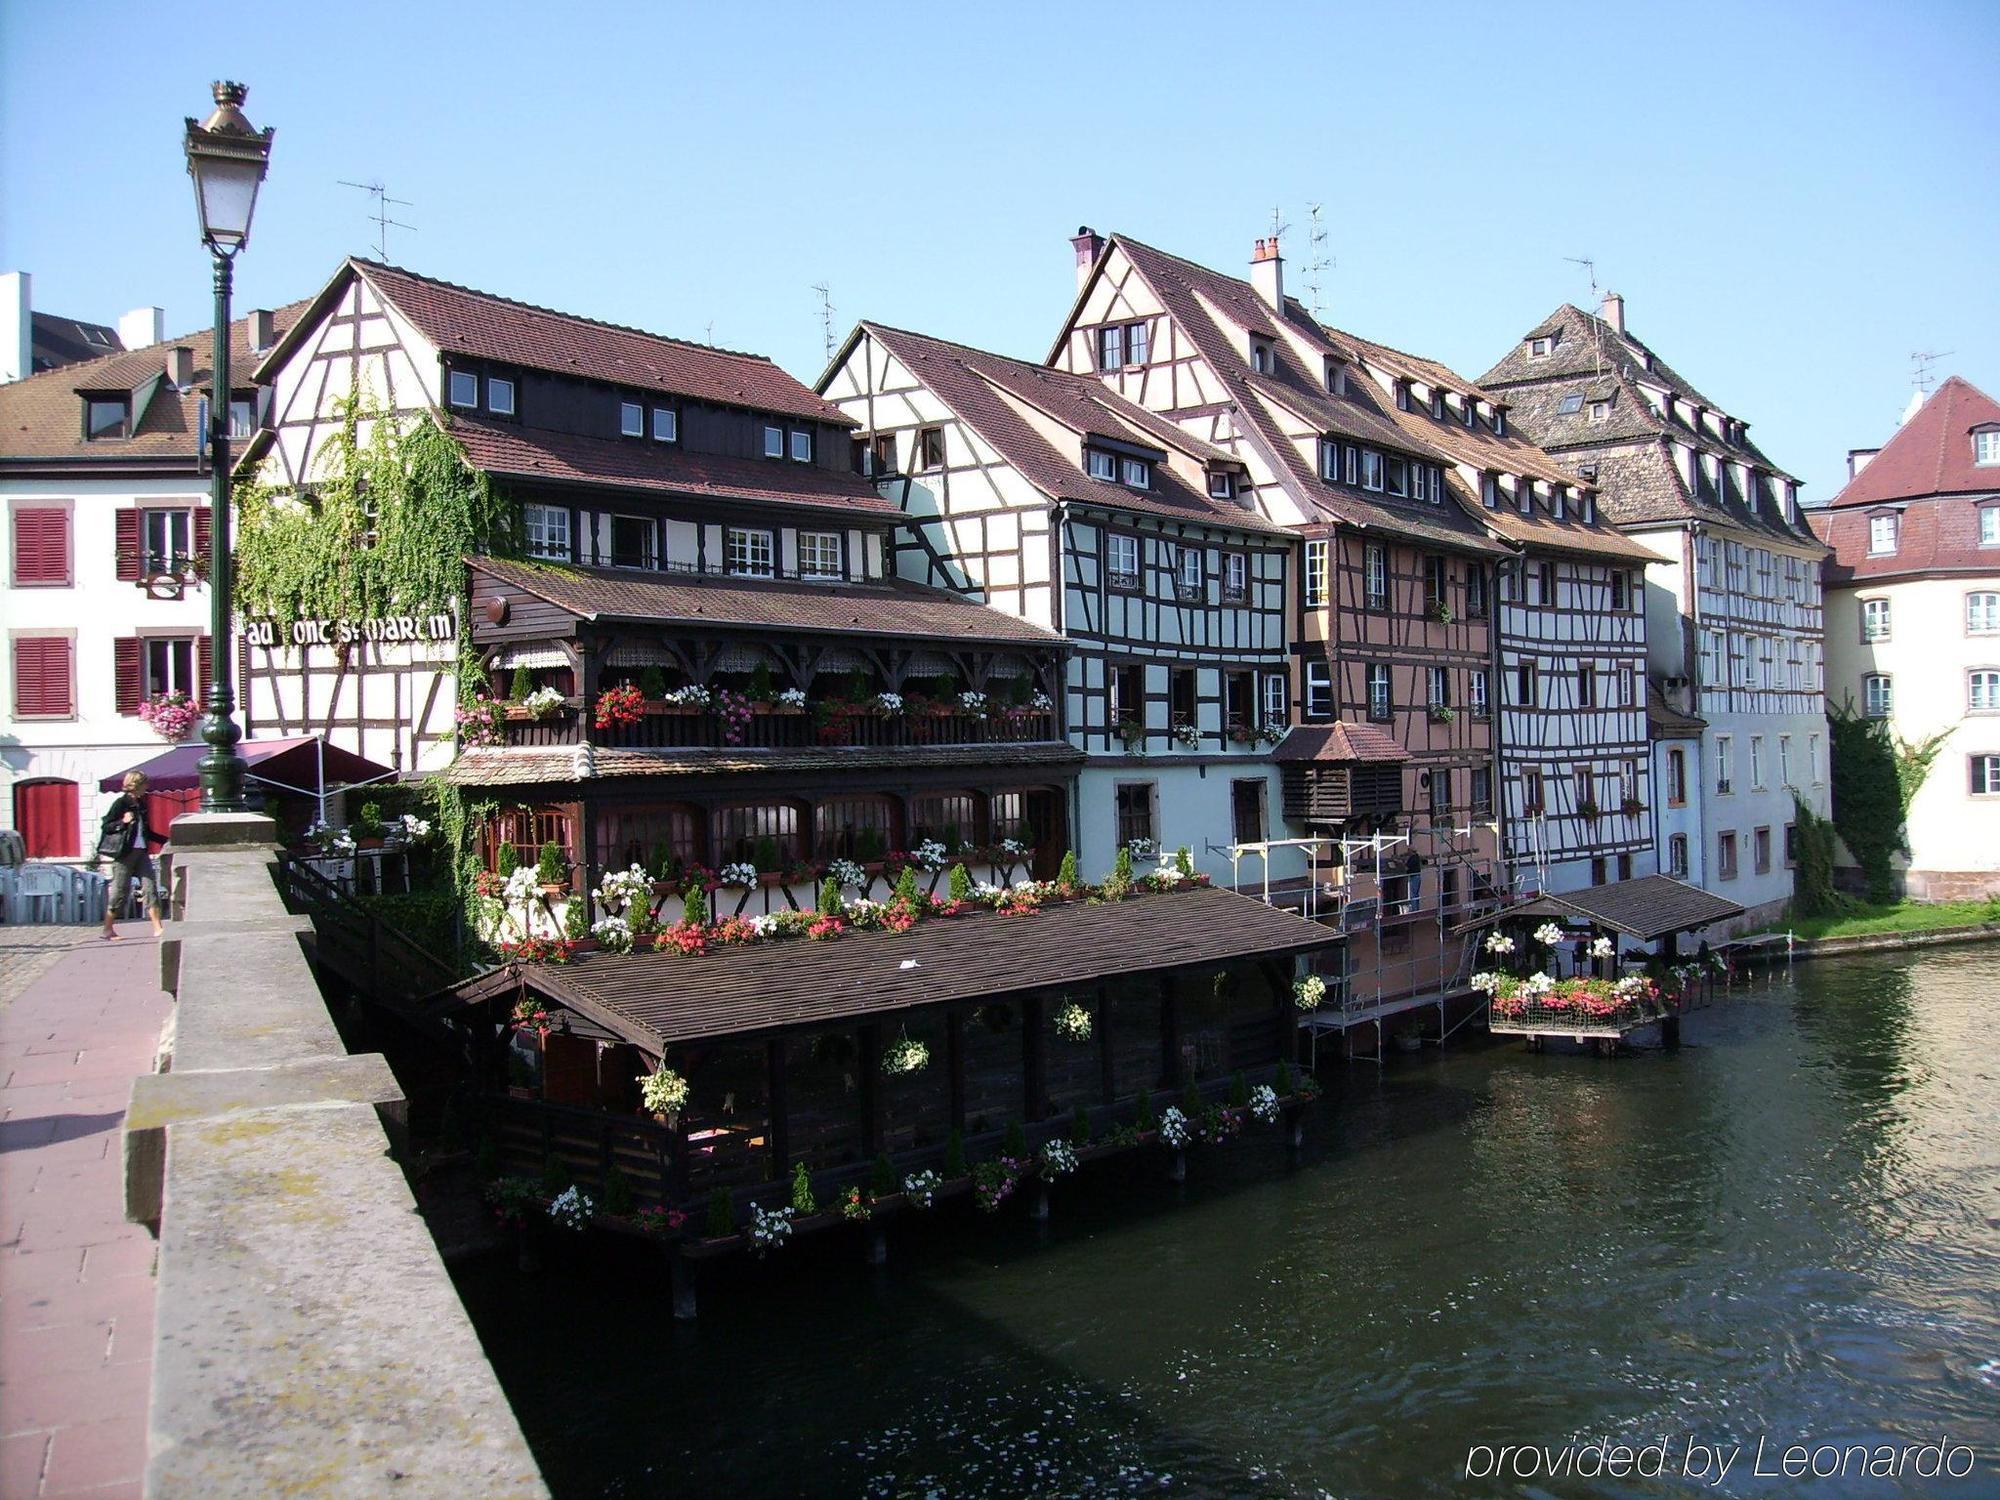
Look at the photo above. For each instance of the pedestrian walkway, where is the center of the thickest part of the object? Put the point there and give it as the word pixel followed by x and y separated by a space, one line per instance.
pixel 76 1280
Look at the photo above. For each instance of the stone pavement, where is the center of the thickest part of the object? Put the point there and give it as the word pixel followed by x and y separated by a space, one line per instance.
pixel 79 1017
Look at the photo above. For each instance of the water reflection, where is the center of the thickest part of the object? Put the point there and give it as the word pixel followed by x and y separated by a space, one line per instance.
pixel 1786 1228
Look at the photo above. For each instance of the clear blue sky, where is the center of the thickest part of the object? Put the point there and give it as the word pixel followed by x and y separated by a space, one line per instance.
pixel 1793 197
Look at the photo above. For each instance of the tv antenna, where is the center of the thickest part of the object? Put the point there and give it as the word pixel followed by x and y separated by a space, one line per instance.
pixel 383 222
pixel 1279 228
pixel 1920 366
pixel 1320 261
pixel 825 316
pixel 1596 328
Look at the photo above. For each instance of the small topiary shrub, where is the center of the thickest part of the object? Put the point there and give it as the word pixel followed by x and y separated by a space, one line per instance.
pixel 803 1202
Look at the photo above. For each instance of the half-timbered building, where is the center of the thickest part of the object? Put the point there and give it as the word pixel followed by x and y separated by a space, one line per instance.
pixel 1733 589
pixel 1048 496
pixel 1394 646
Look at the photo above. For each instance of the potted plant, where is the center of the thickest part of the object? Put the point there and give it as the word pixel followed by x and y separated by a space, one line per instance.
pixel 1441 612
pixel 664 1093
pixel 619 705
pixel 1587 808
pixel 478 721
pixel 1132 731
pixel 1631 807
pixel 170 715
pixel 552 869
pixel 542 703
pixel 367 829
pixel 652 686
pixel 1187 736
pixel 1441 713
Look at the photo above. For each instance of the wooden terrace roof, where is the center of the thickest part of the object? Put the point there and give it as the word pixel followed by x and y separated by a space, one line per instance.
pixel 657 999
pixel 1647 908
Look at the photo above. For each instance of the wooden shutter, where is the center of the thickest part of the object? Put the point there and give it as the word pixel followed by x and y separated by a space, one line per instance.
pixel 45 815
pixel 204 664
pixel 128 546
pixel 41 545
pixel 204 545
pixel 43 682
pixel 128 673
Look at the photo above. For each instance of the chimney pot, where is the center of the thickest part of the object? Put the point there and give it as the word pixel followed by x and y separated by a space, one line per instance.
pixel 1267 275
pixel 180 367
pixel 263 329
pixel 1614 312
pixel 1089 245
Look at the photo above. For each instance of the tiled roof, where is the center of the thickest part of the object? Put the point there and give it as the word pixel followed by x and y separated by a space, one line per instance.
pixel 41 417
pixel 532 453
pixel 1932 453
pixel 56 341
pixel 1339 742
pixel 480 325
pixel 893 608
pixel 1647 908
pixel 1665 722
pixel 1194 296
pixel 493 765
pixel 1586 346
pixel 1937 534
pixel 1541 531
pixel 1640 484
pixel 657 998
pixel 977 386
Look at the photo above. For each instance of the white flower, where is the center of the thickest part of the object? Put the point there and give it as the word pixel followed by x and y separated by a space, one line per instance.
pixel 889 703
pixel 621 890
pixel 1072 1023
pixel 1174 1127
pixel 922 1188
pixel 846 872
pixel 792 698
pixel 905 1055
pixel 1537 984
pixel 1264 1103
pixel 1188 736
pixel 542 702
pixel 572 1209
pixel 972 702
pixel 1499 943
pixel 740 875
pixel 1058 1158
pixel 1488 982
pixel 1548 934
pixel 691 696
pixel 986 891
pixel 1630 987
pixel 613 933
pixel 522 885
pixel 416 830
pixel 1308 992
pixel 663 1089
pixel 769 1227
pixel 1040 703
pixel 929 855
pixel 1142 848
pixel 1603 948
pixel 1013 846
pixel 1169 873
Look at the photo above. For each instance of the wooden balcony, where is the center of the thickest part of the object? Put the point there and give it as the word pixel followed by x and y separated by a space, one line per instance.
pixel 673 728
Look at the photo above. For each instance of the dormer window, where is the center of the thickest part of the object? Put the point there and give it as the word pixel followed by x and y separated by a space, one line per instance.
pixel 1499 421
pixel 1336 376
pixel 500 396
pixel 1489 491
pixel 1559 502
pixel 1395 476
pixel 666 425
pixel 1371 469
pixel 462 390
pixel 1402 395
pixel 106 417
pixel 1587 508
pixel 1570 405
pixel 1600 411
pixel 1882 535
pixel 1101 465
pixel 1524 496
pixel 1437 404
pixel 1135 473
pixel 1261 359
pixel 1221 485
pixel 1986 447
pixel 1469 409
pixel 1539 348
pixel 632 420
pixel 1329 461
pixel 774 441
pixel 802 447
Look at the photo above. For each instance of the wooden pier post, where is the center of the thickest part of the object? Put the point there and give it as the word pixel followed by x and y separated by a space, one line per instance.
pixel 1670 1032
pixel 681 1273
pixel 1040 1209
pixel 878 1243
pixel 1177 1169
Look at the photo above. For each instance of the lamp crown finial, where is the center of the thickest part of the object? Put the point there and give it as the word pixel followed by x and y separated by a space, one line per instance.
pixel 229 92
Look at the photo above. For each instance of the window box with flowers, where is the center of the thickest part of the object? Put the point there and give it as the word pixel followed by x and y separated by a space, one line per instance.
pixel 172 716
pixel 619 706
pixel 1442 713
pixel 1187 736
pixel 542 704
pixel 1441 612
pixel 1132 731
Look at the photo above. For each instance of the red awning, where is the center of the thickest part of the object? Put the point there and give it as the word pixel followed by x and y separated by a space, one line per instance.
pixel 291 765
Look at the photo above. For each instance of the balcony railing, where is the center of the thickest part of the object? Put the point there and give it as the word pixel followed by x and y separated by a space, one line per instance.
pixel 674 728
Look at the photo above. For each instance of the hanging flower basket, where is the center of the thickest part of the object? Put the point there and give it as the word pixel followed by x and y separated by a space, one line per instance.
pixel 1309 992
pixel 170 715
pixel 904 1056
pixel 1072 1023
pixel 664 1093
pixel 619 705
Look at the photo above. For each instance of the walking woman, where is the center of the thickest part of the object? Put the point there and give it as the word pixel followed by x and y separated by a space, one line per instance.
pixel 122 839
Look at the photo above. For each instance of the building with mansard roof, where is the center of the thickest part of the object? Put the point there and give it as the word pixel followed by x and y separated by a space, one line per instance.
pixel 1733 595
pixel 1913 623
pixel 1048 496
pixel 104 485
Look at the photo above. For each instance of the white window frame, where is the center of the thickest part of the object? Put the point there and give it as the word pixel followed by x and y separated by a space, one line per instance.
pixel 749 552
pixel 1478 703
pixel 1277 698
pixel 1677 855
pixel 1986 448
pixel 174 551
pixel 1377 674
pixel 1235 575
pixel 1875 619
pixel 1317 559
pixel 1138 343
pixel 494 385
pixel 162 668
pixel 1100 465
pixel 1756 762
pixel 452 388
pixel 1725 765
pixel 1319 690
pixel 774 441
pixel 632 419
pixel 801 445
pixel 1221 485
pixel 651 551
pixel 669 419
pixel 1375 576
pixel 1982 690
pixel 1135 474
pixel 1878 695
pixel 1983 769
pixel 1881 529
pixel 819 555
pixel 545 529
pixel 1982 613
pixel 1121 547
pixel 1188 569
pixel 1371 470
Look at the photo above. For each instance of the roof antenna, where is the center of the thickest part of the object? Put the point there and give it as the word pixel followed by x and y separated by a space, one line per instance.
pixel 825 316
pixel 1596 328
pixel 1320 261
pixel 1920 365
pixel 383 223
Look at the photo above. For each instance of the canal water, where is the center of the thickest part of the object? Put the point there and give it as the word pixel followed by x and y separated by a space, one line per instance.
pixel 1788 1230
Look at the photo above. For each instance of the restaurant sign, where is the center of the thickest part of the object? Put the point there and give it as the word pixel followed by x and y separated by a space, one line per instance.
pixel 273 636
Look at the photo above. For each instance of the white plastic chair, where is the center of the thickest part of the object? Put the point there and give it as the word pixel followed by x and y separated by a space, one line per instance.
pixel 41 889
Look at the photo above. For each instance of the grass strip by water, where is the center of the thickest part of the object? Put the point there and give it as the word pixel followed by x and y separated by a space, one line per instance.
pixel 1864 919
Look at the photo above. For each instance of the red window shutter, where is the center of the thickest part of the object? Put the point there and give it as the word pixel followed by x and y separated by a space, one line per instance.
pixel 204 664
pixel 128 673
pixel 41 546
pixel 204 544
pixel 45 815
pixel 43 681
pixel 128 546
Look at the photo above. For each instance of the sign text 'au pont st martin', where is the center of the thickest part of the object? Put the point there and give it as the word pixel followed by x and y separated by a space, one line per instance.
pixel 272 636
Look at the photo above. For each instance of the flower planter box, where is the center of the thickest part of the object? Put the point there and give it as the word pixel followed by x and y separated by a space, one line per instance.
pixel 708 1249
pixel 654 708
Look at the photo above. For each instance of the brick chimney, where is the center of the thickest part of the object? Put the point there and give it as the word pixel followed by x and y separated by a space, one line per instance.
pixel 143 327
pixel 1267 274
pixel 180 367
pixel 1613 312
pixel 263 329
pixel 17 326
pixel 1089 246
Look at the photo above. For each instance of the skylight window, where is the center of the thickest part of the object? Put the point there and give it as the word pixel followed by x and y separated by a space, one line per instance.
pixel 1571 405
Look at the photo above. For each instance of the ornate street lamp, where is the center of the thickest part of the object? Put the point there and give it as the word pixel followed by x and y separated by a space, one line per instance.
pixel 227 158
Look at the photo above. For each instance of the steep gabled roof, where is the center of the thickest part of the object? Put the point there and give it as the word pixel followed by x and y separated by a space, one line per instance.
pixel 510 451
pixel 480 325
pixel 983 389
pixel 1932 453
pixel 41 417
pixel 1194 296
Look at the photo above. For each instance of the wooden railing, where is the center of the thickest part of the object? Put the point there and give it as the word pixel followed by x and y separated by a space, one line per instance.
pixel 377 959
pixel 584 1144
pixel 703 729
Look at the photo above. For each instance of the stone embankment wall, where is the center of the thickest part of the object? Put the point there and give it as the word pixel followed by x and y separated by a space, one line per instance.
pixel 309 1339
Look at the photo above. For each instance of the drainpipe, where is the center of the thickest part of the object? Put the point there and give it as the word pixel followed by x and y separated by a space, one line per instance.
pixel 1496 699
